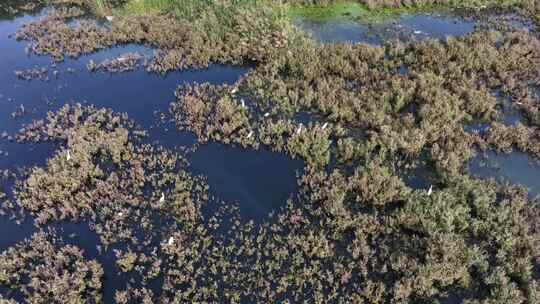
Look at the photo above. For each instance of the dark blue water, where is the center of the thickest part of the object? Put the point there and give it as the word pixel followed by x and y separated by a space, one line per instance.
pixel 259 182
pixel 408 27
pixel 516 168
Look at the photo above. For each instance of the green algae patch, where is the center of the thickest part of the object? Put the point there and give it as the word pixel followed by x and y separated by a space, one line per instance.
pixel 331 11
pixel 354 11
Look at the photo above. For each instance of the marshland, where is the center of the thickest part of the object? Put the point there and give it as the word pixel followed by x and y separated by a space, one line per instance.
pixel 270 151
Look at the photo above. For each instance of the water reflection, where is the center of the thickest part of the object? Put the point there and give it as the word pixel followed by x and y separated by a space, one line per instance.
pixel 516 168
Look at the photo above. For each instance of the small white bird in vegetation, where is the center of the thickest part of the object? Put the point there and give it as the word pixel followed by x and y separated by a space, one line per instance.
pixel 325 125
pixel 266 114
pixel 120 214
pixel 299 129
pixel 68 156
pixel 109 18
pixel 417 32
pixel 250 134
pixel 234 90
pixel 243 103
pixel 171 241
pixel 162 198
pixel 430 191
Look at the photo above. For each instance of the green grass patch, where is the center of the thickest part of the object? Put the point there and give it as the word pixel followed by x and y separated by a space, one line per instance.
pixel 187 9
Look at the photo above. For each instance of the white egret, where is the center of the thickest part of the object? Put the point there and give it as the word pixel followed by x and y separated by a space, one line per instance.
pixel 250 134
pixel 109 18
pixel 171 241
pixel 162 198
pixel 325 125
pixel 430 191
pixel 266 114
pixel 68 156
pixel 299 129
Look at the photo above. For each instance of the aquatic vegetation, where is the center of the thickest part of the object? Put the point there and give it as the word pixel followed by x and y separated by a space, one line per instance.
pixel 356 231
pixel 346 231
pixel 236 35
pixel 214 112
pixel 505 138
pixel 123 63
pixel 35 73
pixel 373 4
pixel 351 10
pixel 44 270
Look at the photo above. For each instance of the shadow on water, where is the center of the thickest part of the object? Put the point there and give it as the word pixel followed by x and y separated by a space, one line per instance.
pixel 516 168
pixel 407 27
pixel 260 181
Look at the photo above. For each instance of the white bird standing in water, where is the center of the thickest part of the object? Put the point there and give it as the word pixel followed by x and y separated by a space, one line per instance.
pixel 68 156
pixel 162 198
pixel 109 18
pixel 243 103
pixel 171 241
pixel 325 125
pixel 234 90
pixel 430 191
pixel 299 129
pixel 250 134
pixel 266 114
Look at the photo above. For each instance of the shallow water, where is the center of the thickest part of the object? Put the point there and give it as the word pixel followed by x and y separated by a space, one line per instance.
pixel 408 27
pixel 516 168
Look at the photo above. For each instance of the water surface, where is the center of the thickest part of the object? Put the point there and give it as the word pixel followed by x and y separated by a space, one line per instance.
pixel 407 27
pixel 516 168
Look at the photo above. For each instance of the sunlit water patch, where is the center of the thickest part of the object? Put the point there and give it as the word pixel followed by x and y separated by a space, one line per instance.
pixel 516 168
